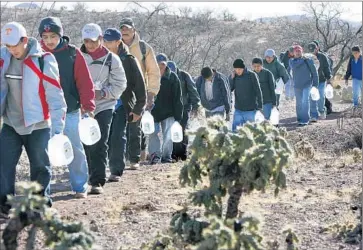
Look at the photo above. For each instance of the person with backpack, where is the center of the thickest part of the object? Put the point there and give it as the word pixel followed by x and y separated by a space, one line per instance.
pixel 318 109
pixel 214 93
pixel 289 87
pixel 32 106
pixel 328 104
pixel 267 85
pixel 109 79
pixel 144 53
pixel 247 92
pixel 272 63
pixel 191 102
pixel 354 69
pixel 129 107
pixel 168 109
pixel 78 91
pixel 305 75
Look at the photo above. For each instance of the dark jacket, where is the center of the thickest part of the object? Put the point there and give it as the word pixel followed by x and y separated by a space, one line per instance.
pixel 247 91
pixel 267 85
pixel 285 60
pixel 190 94
pixel 277 69
pixel 221 93
pixel 75 77
pixel 168 101
pixel 354 69
pixel 324 68
pixel 134 97
pixel 304 73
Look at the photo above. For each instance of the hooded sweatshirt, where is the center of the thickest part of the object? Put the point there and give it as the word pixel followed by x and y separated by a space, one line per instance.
pixel 304 73
pixel 267 84
pixel 277 69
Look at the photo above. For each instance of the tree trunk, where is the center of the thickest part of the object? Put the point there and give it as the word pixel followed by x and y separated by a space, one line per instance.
pixel 235 194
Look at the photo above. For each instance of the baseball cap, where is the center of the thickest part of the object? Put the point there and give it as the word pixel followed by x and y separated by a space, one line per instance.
pixel 269 53
pixel 171 65
pixel 312 47
pixel 162 58
pixel 128 22
pixel 11 33
pixel 91 31
pixel 112 34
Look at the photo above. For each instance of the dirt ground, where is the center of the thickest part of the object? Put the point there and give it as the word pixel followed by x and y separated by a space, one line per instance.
pixel 320 192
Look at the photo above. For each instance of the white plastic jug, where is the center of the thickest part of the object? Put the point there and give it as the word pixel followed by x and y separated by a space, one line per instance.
pixel 315 94
pixel 259 117
pixel 329 91
pixel 279 87
pixel 275 116
pixel 89 131
pixel 176 132
pixel 60 150
pixel 147 123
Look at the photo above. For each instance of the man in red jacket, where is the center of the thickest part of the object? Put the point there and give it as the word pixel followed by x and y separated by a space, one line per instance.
pixel 79 94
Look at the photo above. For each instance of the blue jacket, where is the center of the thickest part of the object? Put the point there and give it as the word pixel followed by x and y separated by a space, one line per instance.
pixel 354 69
pixel 304 73
pixel 221 93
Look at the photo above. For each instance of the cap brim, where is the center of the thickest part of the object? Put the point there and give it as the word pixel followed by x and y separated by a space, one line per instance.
pixel 10 41
pixel 127 25
pixel 91 38
pixel 163 62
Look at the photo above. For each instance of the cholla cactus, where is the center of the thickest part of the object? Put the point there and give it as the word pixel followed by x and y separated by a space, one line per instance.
pixel 31 210
pixel 304 149
pixel 291 239
pixel 357 155
pixel 347 94
pixel 234 163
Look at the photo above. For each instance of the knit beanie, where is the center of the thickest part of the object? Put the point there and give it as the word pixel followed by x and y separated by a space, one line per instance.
pixel 257 60
pixel 239 64
pixel 51 24
pixel 206 72
pixel 355 48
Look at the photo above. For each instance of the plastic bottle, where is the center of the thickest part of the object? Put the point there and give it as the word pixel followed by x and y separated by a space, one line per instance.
pixel 329 92
pixel 89 131
pixel 279 87
pixel 275 116
pixel 259 117
pixel 147 123
pixel 176 132
pixel 60 151
pixel 315 96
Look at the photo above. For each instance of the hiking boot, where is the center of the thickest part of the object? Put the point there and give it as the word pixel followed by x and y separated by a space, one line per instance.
pixel 134 166
pixel 143 155
pixel 114 178
pixel 80 195
pixel 168 161
pixel 314 120
pixel 300 124
pixel 96 190
pixel 322 116
pixel 154 159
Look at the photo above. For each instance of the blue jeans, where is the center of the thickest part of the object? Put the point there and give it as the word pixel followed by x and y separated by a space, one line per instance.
pixel 289 89
pixel 303 105
pixel 154 141
pixel 357 91
pixel 35 145
pixel 318 107
pixel 267 108
pixel 117 142
pixel 78 169
pixel 242 117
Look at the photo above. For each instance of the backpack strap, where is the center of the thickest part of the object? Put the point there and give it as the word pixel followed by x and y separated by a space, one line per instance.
pixel 109 62
pixel 72 52
pixel 143 52
pixel 307 64
pixel 41 63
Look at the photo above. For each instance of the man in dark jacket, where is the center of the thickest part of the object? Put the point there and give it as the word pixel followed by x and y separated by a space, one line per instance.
pixel 129 107
pixel 355 70
pixel 214 93
pixel 304 76
pixel 317 108
pixel 191 102
pixel 247 92
pixel 272 64
pixel 168 109
pixel 79 94
pixel 289 87
pixel 267 85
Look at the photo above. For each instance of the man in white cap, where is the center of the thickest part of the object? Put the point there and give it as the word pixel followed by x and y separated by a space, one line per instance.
pixel 32 106
pixel 109 78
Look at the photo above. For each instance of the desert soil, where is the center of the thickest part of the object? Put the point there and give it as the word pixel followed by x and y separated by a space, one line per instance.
pixel 320 192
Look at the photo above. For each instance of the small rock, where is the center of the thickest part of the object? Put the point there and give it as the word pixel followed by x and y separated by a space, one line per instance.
pixel 310 191
pixel 302 179
pixel 85 213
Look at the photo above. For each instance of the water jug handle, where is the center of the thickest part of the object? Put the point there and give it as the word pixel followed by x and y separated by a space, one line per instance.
pixel 85 115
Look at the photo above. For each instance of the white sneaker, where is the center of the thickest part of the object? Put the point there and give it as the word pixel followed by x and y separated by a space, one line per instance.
pixel 322 116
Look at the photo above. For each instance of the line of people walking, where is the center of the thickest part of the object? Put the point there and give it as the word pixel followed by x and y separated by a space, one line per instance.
pixel 47 87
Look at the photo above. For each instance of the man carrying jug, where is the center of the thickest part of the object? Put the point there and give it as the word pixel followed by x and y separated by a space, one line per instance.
pixel 33 109
pixel 109 79
pixel 78 91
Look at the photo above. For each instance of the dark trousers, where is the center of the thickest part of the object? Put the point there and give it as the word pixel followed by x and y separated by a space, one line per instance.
pixel 136 141
pixel 35 145
pixel 117 142
pixel 277 100
pixel 97 154
pixel 180 150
